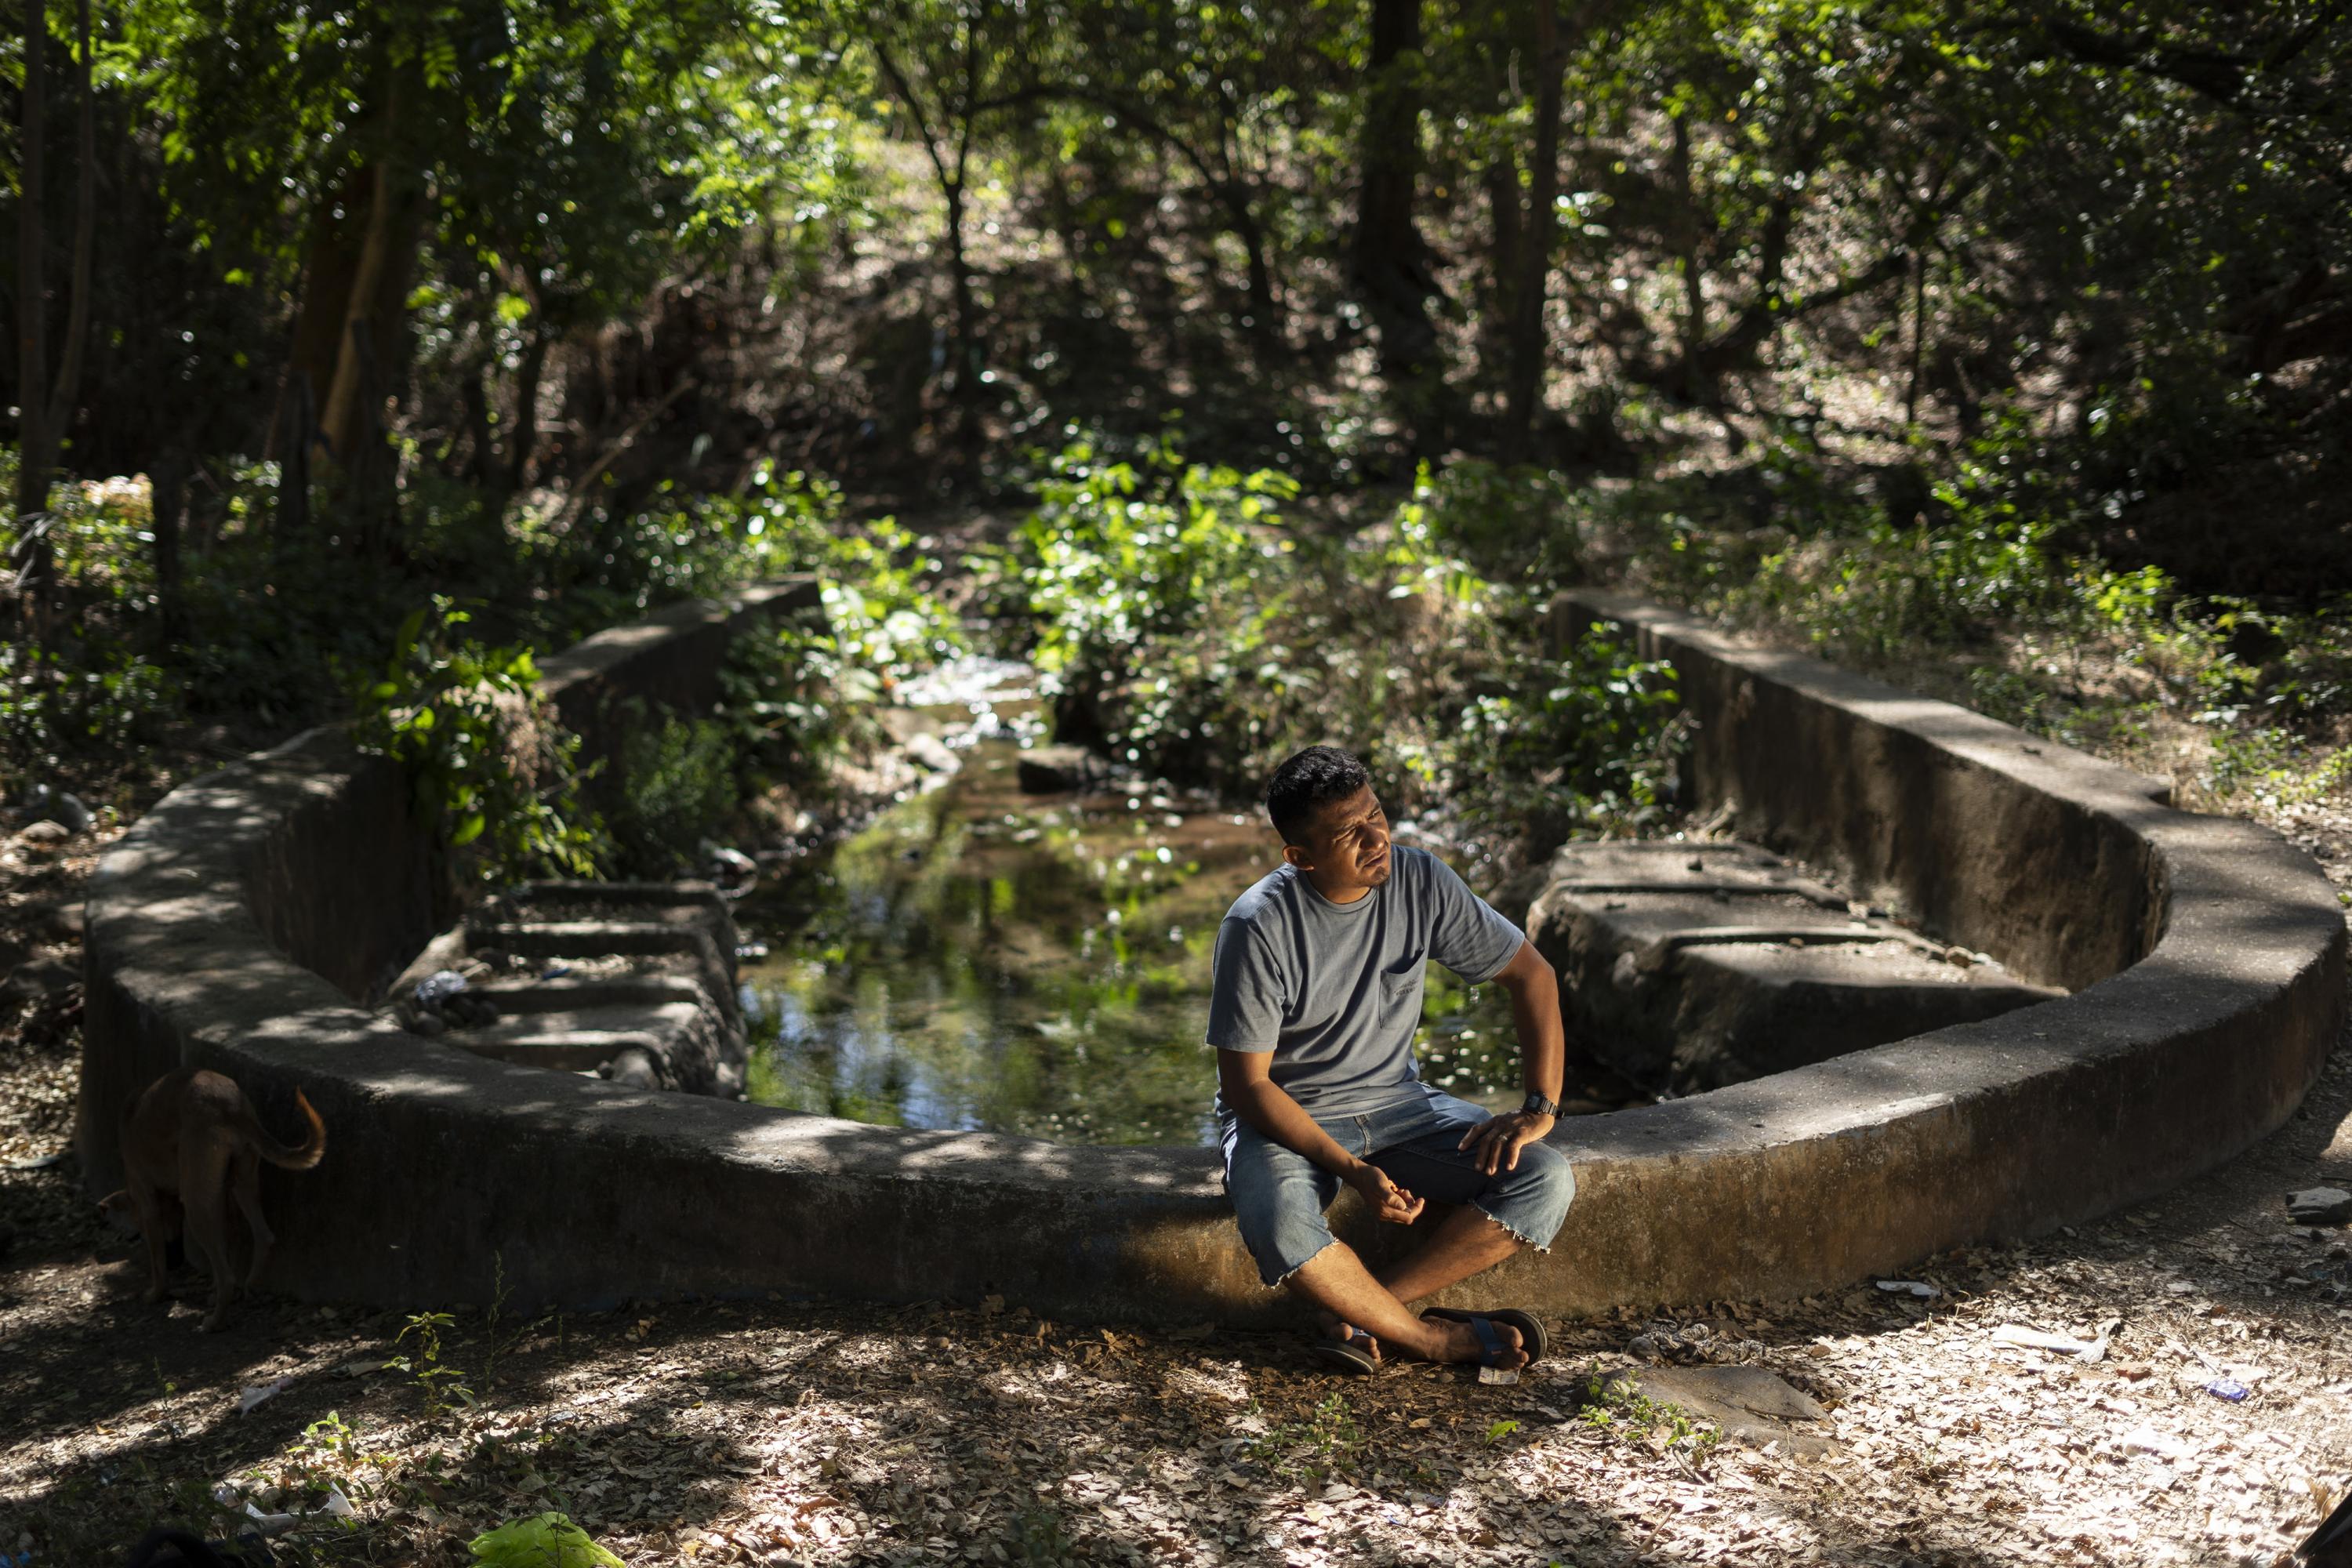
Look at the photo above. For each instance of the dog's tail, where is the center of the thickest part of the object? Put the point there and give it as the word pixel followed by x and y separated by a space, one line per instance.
pixel 293 1157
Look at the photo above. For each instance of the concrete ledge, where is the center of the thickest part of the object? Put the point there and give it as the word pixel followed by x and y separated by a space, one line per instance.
pixel 225 930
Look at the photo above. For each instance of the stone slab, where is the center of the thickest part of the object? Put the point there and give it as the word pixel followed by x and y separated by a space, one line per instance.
pixel 1746 1402
pixel 1687 966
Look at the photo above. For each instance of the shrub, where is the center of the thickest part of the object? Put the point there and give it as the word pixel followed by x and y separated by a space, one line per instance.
pixel 490 768
pixel 679 784
pixel 1185 622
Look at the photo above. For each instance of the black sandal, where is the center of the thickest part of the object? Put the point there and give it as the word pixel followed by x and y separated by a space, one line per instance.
pixel 1353 1355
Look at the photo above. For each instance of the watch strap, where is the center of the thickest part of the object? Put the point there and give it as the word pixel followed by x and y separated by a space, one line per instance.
pixel 1536 1105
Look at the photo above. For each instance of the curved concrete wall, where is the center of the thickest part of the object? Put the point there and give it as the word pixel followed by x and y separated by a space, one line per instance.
pixel 225 930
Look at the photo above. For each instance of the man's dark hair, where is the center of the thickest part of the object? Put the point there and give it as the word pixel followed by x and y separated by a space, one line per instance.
pixel 1306 782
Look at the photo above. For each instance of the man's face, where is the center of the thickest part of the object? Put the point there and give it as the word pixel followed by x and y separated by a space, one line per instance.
pixel 1349 845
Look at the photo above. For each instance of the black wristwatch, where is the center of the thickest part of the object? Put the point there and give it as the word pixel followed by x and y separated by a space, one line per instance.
pixel 1538 1105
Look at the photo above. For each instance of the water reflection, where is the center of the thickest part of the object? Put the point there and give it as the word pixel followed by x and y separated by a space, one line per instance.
pixel 982 959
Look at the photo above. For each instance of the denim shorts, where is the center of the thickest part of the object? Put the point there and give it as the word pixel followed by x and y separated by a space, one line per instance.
pixel 1279 1196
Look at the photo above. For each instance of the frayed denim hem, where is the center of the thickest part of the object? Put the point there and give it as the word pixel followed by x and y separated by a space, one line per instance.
pixel 1522 1237
pixel 1284 1278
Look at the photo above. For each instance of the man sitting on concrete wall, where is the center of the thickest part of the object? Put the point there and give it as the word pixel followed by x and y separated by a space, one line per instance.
pixel 1315 1000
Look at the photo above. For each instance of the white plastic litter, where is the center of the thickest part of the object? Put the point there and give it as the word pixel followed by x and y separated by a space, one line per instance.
pixel 439 987
pixel 260 1392
pixel 269 1523
pixel 2023 1337
pixel 1918 1287
pixel 1498 1375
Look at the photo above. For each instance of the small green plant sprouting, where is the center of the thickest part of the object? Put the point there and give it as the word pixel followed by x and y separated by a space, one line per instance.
pixel 499 1290
pixel 1315 1449
pixel 1500 1430
pixel 443 1387
pixel 1614 1404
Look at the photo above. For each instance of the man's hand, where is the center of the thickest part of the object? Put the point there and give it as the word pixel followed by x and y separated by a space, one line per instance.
pixel 1388 1201
pixel 1496 1144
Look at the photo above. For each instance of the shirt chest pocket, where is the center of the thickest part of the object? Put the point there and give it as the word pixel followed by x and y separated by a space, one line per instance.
pixel 1400 990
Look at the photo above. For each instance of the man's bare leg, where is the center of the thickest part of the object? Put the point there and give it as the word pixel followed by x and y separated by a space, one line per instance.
pixel 1336 1280
pixel 1467 1241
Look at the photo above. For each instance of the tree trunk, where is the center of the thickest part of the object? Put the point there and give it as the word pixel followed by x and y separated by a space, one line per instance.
pixel 168 491
pixel 524 443
pixel 1266 312
pixel 1390 258
pixel 1497 318
pixel 1529 348
pixel 344 417
pixel 296 434
pixel 61 399
pixel 337 225
pixel 1697 386
pixel 481 466
pixel 32 327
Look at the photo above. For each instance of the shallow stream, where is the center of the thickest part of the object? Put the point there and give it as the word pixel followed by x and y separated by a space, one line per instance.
pixel 980 958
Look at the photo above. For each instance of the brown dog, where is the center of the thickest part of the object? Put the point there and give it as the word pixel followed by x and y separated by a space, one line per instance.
pixel 190 1143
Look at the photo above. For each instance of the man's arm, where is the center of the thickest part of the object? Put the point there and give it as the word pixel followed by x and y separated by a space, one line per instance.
pixel 1244 1079
pixel 1543 1050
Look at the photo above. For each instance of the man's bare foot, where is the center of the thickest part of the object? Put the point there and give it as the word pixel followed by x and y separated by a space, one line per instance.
pixel 1348 1333
pixel 1460 1342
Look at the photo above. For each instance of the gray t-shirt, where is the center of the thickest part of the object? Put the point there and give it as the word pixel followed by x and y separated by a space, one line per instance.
pixel 1334 990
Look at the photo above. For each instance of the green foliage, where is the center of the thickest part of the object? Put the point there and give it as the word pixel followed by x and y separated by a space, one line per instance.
pixel 94 698
pixel 548 1540
pixel 1616 1403
pixel 1586 741
pixel 488 765
pixel 1187 623
pixel 810 692
pixel 89 689
pixel 1158 598
pixel 443 1386
pixel 680 784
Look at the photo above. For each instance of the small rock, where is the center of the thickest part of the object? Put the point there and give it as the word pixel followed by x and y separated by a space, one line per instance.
pixel 1056 769
pixel 930 754
pixel 41 977
pixel 729 866
pixel 633 1068
pixel 2319 1205
pixel 41 838
pixel 45 806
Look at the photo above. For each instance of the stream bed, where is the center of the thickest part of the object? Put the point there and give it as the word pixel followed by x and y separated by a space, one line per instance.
pixel 980 958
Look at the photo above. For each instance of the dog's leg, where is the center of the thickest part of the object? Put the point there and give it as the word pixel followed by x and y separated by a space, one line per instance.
pixel 204 1190
pixel 147 1204
pixel 247 1184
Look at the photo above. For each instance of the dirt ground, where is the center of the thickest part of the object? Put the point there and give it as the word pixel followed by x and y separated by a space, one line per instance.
pixel 779 1432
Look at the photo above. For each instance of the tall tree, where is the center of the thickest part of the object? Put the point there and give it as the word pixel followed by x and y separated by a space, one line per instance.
pixel 1390 262
pixel 1530 348
pixel 46 407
